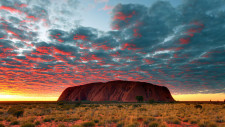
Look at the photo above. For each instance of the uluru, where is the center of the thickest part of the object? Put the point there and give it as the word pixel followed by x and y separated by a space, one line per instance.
pixel 121 91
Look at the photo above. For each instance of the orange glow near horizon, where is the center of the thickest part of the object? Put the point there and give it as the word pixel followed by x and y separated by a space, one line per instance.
pixel 25 98
pixel 183 97
pixel 200 97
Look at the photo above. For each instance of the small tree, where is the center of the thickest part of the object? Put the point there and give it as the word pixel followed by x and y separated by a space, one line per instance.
pixel 139 98
pixel 151 101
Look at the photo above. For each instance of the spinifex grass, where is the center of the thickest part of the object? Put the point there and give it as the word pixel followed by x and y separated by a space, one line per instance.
pixel 114 114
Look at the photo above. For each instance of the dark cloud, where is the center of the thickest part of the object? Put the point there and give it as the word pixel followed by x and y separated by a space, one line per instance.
pixel 179 47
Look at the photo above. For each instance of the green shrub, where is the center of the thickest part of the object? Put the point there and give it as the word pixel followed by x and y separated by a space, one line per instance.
pixel 115 120
pixel 139 98
pixel 16 111
pixel 219 120
pixel 140 119
pixel 194 122
pixel 60 103
pixel 153 124
pixel 150 119
pixel 61 125
pixel 28 125
pixel 77 104
pixel 70 119
pixel 96 121
pixel 176 121
pixel 76 126
pixel 212 125
pixel 88 124
pixel 202 125
pixel 120 124
pixel 15 123
pixel 198 106
pixel 47 120
pixel 97 105
pixel 120 106
pixel 134 125
pixel 37 123
pixel 185 120
pixel 143 109
pixel 136 105
pixel 151 101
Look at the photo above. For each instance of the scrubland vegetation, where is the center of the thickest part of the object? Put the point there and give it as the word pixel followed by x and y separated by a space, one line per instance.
pixel 112 115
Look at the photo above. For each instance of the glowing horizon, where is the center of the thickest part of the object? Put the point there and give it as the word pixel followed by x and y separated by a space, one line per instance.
pixel 183 97
pixel 25 98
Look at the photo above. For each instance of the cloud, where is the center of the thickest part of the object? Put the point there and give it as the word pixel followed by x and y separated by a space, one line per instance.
pixel 101 1
pixel 178 47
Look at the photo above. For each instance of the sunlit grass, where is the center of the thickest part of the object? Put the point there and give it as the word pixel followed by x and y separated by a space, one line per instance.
pixel 120 115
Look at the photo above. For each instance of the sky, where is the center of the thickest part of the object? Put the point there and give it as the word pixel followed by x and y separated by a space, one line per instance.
pixel 49 45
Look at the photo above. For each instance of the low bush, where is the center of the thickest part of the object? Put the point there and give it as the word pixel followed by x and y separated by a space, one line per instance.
pixel 76 126
pixel 96 121
pixel 212 125
pixel 120 124
pixel 15 123
pixel 140 119
pixel 47 120
pixel 28 125
pixel 198 106
pixel 139 98
pixel 176 121
pixel 120 106
pixel 153 124
pixel 16 111
pixel 136 105
pixel 151 101
pixel 37 123
pixel 185 120
pixel 150 119
pixel 61 125
pixel 88 124
pixel 194 122
pixel 60 103
pixel 143 109
pixel 202 125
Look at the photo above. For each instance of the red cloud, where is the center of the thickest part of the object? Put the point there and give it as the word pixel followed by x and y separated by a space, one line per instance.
pixel 90 57
pixel 107 7
pixel 184 40
pixel 55 50
pixel 10 9
pixel 129 46
pixel 44 50
pixel 80 37
pixel 122 16
pixel 136 34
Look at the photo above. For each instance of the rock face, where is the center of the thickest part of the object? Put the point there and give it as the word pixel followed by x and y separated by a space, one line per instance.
pixel 123 91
